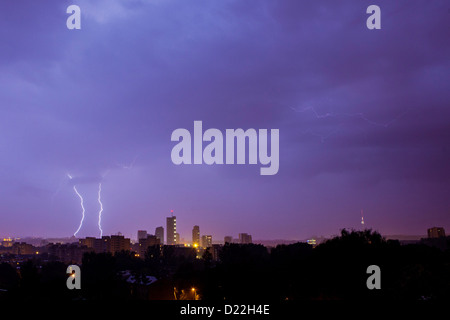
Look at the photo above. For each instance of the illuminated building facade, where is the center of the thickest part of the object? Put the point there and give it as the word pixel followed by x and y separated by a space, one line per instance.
pixel 196 236
pixel 206 241
pixel 436 232
pixel 172 230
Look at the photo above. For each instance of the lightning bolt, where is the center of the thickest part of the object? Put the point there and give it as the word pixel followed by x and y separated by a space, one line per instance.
pixel 82 206
pixel 99 197
pixel 101 209
pixel 83 210
pixel 130 166
pixel 359 115
pixel 348 115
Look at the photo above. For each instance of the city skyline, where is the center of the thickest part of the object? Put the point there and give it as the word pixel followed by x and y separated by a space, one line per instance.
pixel 231 237
pixel 87 117
pixel 72 250
pixel 159 233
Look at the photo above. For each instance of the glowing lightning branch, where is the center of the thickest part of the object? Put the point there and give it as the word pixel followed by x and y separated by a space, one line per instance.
pixel 344 115
pixel 357 115
pixel 130 166
pixel 99 198
pixel 82 207
pixel 101 209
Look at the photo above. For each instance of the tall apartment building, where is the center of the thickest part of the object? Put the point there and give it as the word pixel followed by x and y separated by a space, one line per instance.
pixel 206 241
pixel 228 239
pixel 119 243
pixel 245 238
pixel 141 234
pixel 436 232
pixel 171 230
pixel 88 242
pixel 159 233
pixel 144 244
pixel 196 235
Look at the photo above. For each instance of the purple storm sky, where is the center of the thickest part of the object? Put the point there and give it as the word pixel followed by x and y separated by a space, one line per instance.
pixel 364 116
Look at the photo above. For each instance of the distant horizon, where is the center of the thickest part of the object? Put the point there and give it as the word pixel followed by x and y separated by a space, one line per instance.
pixel 387 236
pixel 235 235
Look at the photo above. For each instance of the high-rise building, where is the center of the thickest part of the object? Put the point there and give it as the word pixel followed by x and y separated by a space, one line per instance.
pixel 245 238
pixel 215 251
pixel 196 235
pixel 228 239
pixel 171 230
pixel 159 233
pixel 436 232
pixel 7 242
pixel 144 244
pixel 177 238
pixel 119 243
pixel 141 234
pixel 206 241
pixel 102 245
pixel 22 248
pixel 88 242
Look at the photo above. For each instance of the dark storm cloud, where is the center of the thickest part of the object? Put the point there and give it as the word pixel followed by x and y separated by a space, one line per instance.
pixel 355 108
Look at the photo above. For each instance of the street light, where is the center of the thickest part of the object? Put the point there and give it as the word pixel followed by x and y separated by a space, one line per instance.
pixel 195 293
